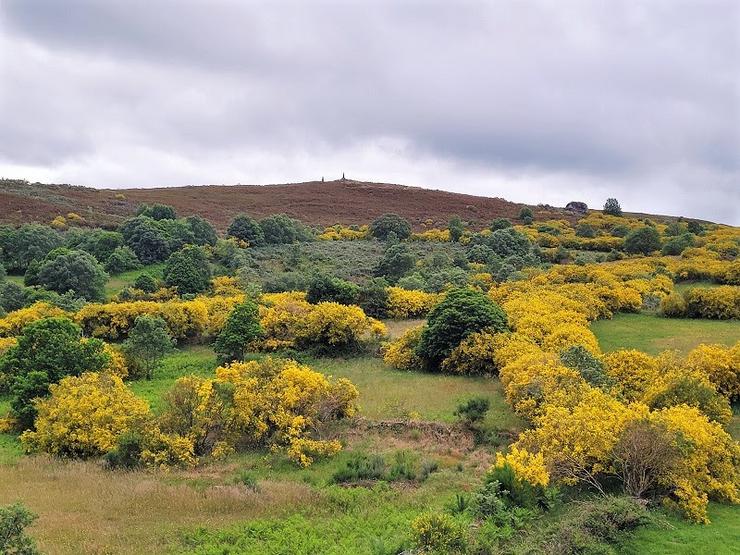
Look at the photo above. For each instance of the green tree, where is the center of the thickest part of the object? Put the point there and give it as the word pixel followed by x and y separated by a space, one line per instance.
pixel 676 245
pixel 643 240
pixel 147 344
pixel 612 207
pixel 47 350
pixel 19 246
pixel 462 312
pixel 456 228
pixel 148 240
pixel 203 232
pixel 396 261
pixel 157 211
pixel 280 229
pixel 76 271
pixel 247 229
pixel 323 287
pixel 14 519
pixel 242 327
pixel 500 223
pixel 390 223
pixel 12 296
pixel 526 216
pixel 508 242
pixel 146 282
pixel 373 298
pixel 122 259
pixel 98 242
pixel 188 270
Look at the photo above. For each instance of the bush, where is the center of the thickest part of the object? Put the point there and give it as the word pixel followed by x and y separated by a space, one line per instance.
pixel 396 261
pixel 281 229
pixel 76 271
pixel 13 539
pixel 146 283
pixel 673 306
pixel 19 246
pixel 122 259
pixel 500 223
pixel 188 271
pixel 242 328
pixel 202 230
pixel 323 287
pixel 127 452
pixel 439 533
pixel 147 344
pixel 473 411
pixel 508 242
pixel 719 303
pixel 461 313
pixel 678 244
pixel 386 224
pixel 456 229
pixel 374 298
pixel 612 207
pixel 12 296
pixel 148 240
pixel 526 216
pixel 246 229
pixel 361 467
pixel 642 240
pixel 157 211
pixel 591 368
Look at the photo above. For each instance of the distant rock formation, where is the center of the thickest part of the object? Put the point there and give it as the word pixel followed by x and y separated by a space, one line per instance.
pixel 577 206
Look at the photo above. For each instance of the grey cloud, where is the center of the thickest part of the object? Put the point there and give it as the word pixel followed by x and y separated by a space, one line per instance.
pixel 638 96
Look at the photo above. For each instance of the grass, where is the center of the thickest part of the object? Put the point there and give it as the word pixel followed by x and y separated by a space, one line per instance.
pixel 679 537
pixel 118 282
pixel 396 328
pixel 653 334
pixel 684 286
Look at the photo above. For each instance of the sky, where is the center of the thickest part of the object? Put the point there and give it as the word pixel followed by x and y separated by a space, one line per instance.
pixel 533 101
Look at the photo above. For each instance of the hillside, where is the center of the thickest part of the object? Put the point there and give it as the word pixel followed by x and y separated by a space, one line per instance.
pixel 314 202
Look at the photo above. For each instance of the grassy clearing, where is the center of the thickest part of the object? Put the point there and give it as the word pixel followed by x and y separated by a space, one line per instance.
pixel 684 286
pixel 118 282
pixel 679 537
pixel 653 334
pixel 396 328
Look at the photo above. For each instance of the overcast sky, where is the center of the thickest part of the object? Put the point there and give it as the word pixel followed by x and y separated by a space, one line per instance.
pixel 533 101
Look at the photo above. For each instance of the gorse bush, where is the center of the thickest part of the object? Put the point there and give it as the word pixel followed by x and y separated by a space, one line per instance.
pixel 14 519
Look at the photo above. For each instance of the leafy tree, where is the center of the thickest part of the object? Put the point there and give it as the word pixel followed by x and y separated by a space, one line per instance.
pixel 611 207
pixel 247 229
pixel 146 282
pixel 396 261
pixel 323 287
pixel 695 227
pixel 203 232
pixel 47 350
pixel 157 211
pixel 98 242
pixel 13 539
pixel 642 240
pixel 506 242
pixel 147 344
pixel 122 259
pixel 76 271
pixel 526 216
pixel 620 230
pixel 148 240
pixel 280 229
pixel 188 270
pixel 3 274
pixel 390 223
pixel 678 244
pixel 461 313
pixel 456 228
pixel 12 296
pixel 178 234
pixel 373 298
pixel 19 246
pixel 500 223
pixel 241 328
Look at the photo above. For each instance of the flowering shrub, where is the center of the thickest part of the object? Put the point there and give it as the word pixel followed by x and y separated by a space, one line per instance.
pixel 632 371
pixel 401 353
pixel 475 355
pixel 341 233
pixel 435 235
pixel 409 303
pixel 527 466
pixel 720 364
pixel 15 321
pixel 721 303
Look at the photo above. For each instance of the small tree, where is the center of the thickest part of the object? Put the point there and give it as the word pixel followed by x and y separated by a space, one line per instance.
pixel 323 287
pixel 373 298
pixel 642 240
pixel 122 259
pixel 202 230
pixel 390 223
pixel 247 229
pixel 157 211
pixel 13 539
pixel 146 282
pixel 396 261
pixel 473 411
pixel 526 216
pixel 456 228
pixel 242 327
pixel 147 344
pixel 188 270
pixel 611 207
pixel 76 271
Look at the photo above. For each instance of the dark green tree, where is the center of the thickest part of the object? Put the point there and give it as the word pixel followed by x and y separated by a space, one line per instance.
pixel 247 229
pixel 14 519
pixel 500 223
pixel 456 228
pixel 676 245
pixel 203 232
pixel 241 328
pixel 280 229
pixel 462 312
pixel 508 242
pixel 612 207
pixel 642 240
pixel 76 271
pixel 122 259
pixel 146 282
pixel 148 240
pixel 188 270
pixel 397 261
pixel 526 216
pixel 147 344
pixel 19 246
pixel 390 223
pixel 373 298
pixel 323 287
pixel 157 211
pixel 12 296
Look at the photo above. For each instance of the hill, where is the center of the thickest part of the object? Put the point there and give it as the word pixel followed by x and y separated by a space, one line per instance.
pixel 314 202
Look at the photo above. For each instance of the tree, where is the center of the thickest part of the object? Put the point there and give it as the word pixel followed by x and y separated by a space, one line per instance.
pixel 145 282
pixel 461 313
pixel 122 259
pixel 611 207
pixel 323 287
pixel 456 228
pixel 643 240
pixel 396 261
pixel 280 229
pixel 390 223
pixel 13 539
pixel 47 350
pixel 12 296
pixel 241 328
pixel 247 229
pixel 147 344
pixel 157 211
pixel 678 244
pixel 526 216
pixel 76 271
pixel 188 270
pixel 98 242
pixel 149 241
pixel 500 223
pixel 22 245
pixel 203 232
pixel 374 298
pixel 508 241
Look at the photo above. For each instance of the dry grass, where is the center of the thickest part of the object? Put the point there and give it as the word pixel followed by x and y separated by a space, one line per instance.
pixel 396 328
pixel 84 509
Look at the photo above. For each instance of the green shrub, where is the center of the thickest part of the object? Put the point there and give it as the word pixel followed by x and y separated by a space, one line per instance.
pixel 439 533
pixel 146 283
pixel 386 224
pixel 473 411
pixel 397 261
pixel 13 539
pixel 241 328
pixel 122 259
pixel 246 229
pixel 76 271
pixel 642 240
pixel 361 467
pixel 500 223
pixel 127 453
pixel 403 467
pixel 373 298
pixel 323 287
pixel 591 368
pixel 157 211
pixel 188 271
pixel 247 479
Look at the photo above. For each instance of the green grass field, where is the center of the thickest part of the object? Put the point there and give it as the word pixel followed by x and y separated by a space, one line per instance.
pixel 653 334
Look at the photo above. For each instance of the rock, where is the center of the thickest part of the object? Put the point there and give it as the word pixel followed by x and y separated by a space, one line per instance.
pixel 577 206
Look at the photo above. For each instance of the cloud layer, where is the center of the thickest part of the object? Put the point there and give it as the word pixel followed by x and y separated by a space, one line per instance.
pixel 539 101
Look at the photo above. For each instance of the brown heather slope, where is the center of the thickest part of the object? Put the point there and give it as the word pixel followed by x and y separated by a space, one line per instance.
pixel 314 202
